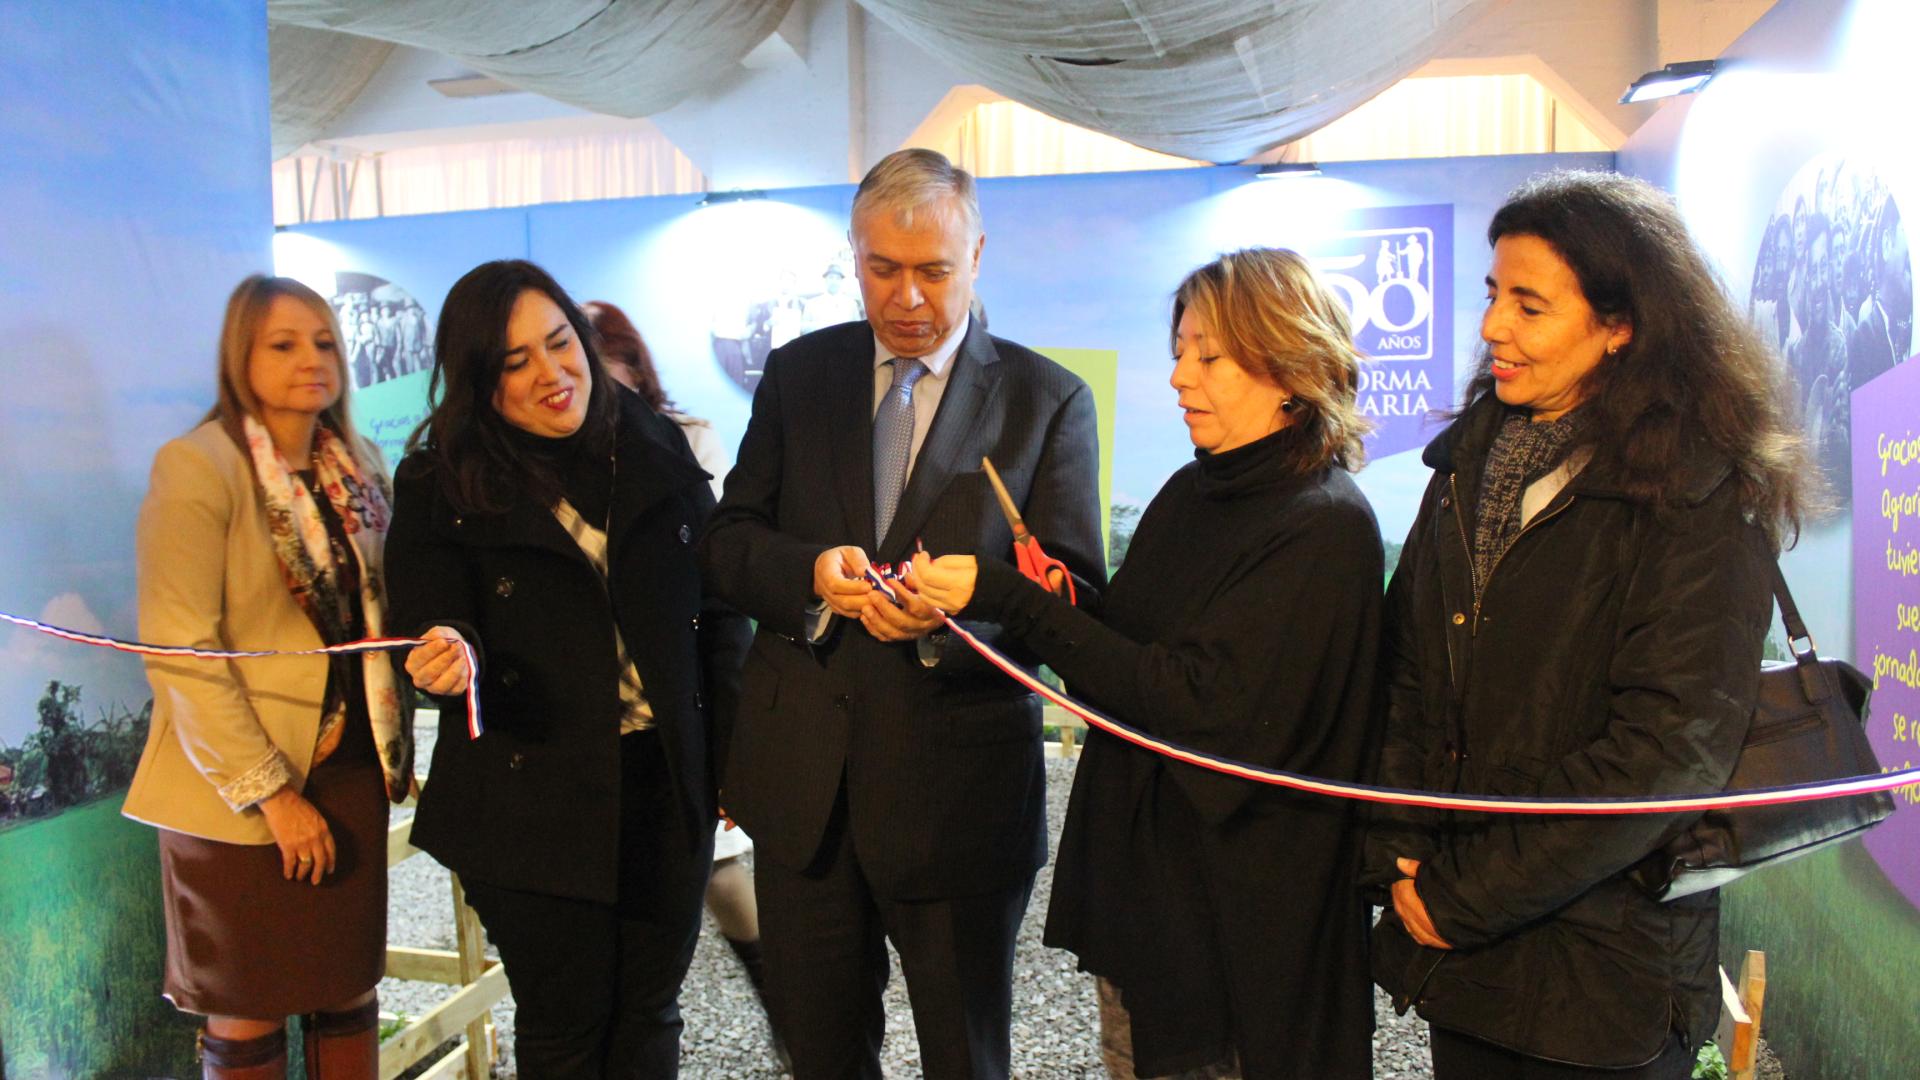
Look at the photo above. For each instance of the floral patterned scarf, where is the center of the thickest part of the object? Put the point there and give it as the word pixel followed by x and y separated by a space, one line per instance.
pixel 307 563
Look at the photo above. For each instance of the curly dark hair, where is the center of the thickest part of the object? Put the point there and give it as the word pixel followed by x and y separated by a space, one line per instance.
pixel 1695 369
pixel 481 466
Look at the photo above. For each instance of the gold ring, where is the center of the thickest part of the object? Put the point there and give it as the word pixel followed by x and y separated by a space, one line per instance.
pixel 304 858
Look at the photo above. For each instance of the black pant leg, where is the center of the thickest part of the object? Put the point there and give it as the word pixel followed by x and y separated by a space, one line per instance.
pixel 663 878
pixel 957 955
pixel 1463 1057
pixel 826 961
pixel 560 959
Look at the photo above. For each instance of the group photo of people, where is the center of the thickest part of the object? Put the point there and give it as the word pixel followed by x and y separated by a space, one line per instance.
pixel 1833 290
pixel 747 325
pixel 383 330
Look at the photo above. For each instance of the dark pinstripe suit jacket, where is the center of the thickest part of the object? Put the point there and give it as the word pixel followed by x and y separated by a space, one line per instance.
pixel 944 785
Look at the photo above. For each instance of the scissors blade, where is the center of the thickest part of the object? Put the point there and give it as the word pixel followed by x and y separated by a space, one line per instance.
pixel 1006 500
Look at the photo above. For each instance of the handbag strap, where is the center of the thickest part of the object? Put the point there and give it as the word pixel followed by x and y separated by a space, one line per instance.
pixel 1789 612
pixel 1808 660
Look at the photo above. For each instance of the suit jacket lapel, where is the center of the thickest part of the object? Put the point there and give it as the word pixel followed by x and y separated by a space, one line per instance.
pixel 951 447
pixel 849 416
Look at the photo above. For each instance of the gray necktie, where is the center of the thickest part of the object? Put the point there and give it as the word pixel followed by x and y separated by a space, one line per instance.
pixel 893 444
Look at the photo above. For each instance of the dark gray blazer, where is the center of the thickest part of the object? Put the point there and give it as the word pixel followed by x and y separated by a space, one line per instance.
pixel 944 786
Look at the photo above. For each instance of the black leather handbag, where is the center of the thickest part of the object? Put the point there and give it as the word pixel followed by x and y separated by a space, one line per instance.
pixel 1808 726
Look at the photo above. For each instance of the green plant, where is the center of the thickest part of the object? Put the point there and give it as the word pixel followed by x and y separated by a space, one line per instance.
pixel 65 761
pixel 61 744
pixel 1711 1065
pixel 393 1025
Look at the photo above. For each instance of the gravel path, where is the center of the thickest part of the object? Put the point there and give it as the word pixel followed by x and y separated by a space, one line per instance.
pixel 1054 1025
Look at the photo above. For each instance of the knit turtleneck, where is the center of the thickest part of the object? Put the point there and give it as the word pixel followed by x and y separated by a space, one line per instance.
pixel 1269 460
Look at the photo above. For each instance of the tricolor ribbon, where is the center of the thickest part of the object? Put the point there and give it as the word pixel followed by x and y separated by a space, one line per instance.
pixel 365 645
pixel 1493 804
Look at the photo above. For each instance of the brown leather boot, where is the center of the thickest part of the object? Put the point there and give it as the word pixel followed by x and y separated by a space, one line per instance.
pixel 344 1045
pixel 263 1057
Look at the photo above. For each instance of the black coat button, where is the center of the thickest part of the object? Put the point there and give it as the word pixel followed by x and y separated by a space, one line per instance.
pixel 509 677
pixel 695 622
pixel 686 534
pixel 840 701
pixel 518 759
pixel 503 588
pixel 699 700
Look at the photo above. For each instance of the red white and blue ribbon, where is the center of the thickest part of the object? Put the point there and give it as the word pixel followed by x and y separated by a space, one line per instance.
pixel 1496 804
pixel 365 645
pixel 1374 793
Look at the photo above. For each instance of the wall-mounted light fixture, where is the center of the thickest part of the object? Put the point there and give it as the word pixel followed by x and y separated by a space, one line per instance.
pixel 715 198
pixel 1686 77
pixel 1288 170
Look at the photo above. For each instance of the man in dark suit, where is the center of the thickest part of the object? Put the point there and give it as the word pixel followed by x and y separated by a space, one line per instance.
pixel 891 780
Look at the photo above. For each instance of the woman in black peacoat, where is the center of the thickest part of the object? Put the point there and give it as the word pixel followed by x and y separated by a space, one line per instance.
pixel 550 515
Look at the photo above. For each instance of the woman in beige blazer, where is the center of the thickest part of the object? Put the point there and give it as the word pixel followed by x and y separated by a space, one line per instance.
pixel 269 778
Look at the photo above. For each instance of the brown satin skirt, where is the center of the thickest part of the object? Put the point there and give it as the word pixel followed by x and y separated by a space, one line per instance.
pixel 244 941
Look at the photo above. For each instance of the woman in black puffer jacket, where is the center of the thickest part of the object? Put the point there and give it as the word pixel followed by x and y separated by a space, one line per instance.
pixel 1578 611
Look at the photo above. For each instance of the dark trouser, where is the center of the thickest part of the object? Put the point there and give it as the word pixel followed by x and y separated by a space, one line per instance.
pixel 1463 1057
pixel 597 986
pixel 823 934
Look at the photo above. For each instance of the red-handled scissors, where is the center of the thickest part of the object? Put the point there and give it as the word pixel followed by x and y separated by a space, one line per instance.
pixel 1032 560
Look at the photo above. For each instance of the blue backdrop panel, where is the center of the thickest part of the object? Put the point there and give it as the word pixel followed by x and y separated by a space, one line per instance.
pixel 133 195
pixel 1072 262
pixel 379 282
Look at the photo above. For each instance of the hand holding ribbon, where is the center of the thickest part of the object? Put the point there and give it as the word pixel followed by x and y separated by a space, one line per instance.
pixel 946 582
pixel 839 580
pixel 440 666
pixel 907 618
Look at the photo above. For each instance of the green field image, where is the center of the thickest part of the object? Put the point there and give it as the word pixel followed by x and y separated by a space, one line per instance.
pixel 82 946
pixel 1100 370
pixel 1843 947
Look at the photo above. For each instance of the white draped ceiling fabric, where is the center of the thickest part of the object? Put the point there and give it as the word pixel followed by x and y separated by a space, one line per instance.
pixel 1215 80
pixel 316 74
pixel 621 57
pixel 1218 80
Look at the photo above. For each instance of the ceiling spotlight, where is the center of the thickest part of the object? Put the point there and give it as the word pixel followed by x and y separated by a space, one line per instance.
pixel 1685 77
pixel 715 198
pixel 1288 170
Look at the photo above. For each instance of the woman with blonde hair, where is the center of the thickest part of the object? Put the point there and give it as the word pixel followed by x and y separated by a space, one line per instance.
pixel 269 778
pixel 1220 915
